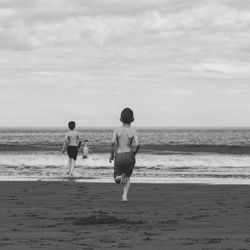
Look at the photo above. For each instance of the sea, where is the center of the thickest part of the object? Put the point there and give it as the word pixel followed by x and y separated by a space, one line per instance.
pixel 167 155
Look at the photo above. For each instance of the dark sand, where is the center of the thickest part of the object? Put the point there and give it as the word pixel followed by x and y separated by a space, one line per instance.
pixel 68 215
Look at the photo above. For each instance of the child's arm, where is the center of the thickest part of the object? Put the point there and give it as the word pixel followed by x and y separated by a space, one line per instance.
pixel 65 144
pixel 112 147
pixel 136 145
pixel 79 141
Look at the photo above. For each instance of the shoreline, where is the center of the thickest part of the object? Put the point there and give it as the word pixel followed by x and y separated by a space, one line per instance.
pixel 71 215
pixel 134 180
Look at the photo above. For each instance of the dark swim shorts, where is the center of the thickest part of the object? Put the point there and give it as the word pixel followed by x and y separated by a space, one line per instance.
pixel 72 152
pixel 124 163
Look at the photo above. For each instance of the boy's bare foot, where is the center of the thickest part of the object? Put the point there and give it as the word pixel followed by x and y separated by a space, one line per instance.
pixel 118 179
pixel 121 179
pixel 124 199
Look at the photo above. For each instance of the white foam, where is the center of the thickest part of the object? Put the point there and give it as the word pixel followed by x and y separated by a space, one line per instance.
pixel 181 168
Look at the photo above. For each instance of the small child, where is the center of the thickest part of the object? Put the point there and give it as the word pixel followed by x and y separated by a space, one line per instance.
pixel 71 144
pixel 86 150
pixel 124 147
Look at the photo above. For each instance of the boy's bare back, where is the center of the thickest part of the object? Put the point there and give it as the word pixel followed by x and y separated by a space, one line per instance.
pixel 125 137
pixel 72 138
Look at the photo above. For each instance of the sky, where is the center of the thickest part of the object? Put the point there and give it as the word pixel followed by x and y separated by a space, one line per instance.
pixel 174 62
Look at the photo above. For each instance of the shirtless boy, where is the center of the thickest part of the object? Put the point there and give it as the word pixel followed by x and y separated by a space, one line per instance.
pixel 124 147
pixel 71 144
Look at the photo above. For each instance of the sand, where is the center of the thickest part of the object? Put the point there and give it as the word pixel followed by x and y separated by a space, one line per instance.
pixel 69 215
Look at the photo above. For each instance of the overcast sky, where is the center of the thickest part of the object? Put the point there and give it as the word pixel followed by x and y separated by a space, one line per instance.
pixel 174 62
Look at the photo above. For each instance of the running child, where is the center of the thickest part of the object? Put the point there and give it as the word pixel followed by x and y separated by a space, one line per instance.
pixel 71 143
pixel 124 147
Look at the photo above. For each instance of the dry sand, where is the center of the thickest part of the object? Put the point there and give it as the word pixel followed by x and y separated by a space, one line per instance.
pixel 68 215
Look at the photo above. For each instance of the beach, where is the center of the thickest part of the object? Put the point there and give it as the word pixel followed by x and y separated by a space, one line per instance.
pixel 70 215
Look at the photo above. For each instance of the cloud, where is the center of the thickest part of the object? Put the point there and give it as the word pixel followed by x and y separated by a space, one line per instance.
pixel 181 93
pixel 168 55
pixel 233 69
pixel 5 12
pixel 82 27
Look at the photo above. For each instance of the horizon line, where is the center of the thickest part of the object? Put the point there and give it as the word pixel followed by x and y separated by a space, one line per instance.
pixel 139 127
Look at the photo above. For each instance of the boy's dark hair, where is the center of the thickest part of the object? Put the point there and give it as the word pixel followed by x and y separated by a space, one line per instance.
pixel 127 116
pixel 71 125
pixel 85 140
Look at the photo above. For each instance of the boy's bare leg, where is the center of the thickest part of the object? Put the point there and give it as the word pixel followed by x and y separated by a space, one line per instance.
pixel 73 163
pixel 69 165
pixel 125 190
pixel 123 178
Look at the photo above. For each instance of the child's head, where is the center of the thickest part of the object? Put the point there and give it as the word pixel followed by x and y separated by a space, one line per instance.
pixel 85 142
pixel 71 125
pixel 127 116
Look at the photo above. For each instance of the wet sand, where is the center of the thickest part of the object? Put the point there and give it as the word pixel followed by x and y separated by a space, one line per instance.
pixel 69 215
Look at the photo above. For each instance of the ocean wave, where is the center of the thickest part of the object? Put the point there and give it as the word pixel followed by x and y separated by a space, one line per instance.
pixel 155 141
pixel 207 168
pixel 196 148
pixel 161 149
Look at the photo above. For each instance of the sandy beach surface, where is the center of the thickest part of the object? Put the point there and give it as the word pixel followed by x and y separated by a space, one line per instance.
pixel 69 215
